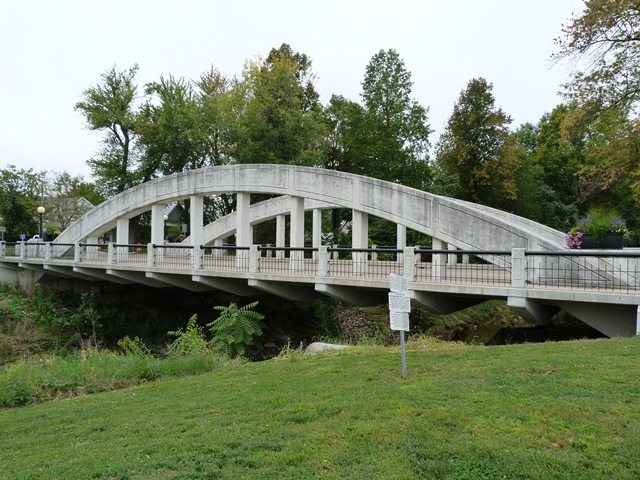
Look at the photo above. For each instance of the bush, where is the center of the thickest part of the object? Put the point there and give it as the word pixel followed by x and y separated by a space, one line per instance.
pixel 234 331
pixel 190 342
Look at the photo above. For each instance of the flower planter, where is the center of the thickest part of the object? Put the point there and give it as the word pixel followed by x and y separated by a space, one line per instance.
pixel 611 241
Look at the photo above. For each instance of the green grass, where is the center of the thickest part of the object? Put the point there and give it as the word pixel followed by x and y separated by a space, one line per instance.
pixel 550 411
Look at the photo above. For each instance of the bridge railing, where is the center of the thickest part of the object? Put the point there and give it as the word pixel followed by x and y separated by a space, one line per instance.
pixel 592 270
pixel 286 260
pixel 128 254
pixel 172 256
pixel 223 257
pixel 484 267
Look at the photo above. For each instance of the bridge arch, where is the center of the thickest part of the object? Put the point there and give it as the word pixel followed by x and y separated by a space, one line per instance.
pixel 449 221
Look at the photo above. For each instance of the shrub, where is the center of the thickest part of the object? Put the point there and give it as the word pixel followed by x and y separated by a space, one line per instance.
pixel 188 342
pixel 234 331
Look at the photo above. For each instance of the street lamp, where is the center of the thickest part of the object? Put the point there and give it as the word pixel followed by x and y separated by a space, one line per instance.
pixel 41 211
pixel 164 226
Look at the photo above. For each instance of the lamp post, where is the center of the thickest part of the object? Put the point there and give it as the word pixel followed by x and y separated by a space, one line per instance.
pixel 41 211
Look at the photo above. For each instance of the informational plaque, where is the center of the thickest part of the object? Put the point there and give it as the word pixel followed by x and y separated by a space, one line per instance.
pixel 399 321
pixel 399 303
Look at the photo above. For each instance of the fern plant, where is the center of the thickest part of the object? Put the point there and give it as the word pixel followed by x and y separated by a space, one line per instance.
pixel 234 331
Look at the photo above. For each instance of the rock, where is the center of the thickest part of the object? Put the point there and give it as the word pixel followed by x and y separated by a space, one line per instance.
pixel 317 347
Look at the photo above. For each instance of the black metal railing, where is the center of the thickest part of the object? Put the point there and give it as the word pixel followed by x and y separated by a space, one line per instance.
pixel 174 256
pixel 63 251
pixel 130 254
pixel 11 249
pixel 225 257
pixel 486 267
pixel 288 260
pixel 605 271
pixel 91 252
pixel 363 262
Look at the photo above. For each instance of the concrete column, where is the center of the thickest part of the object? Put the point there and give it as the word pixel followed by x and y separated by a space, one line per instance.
pixel 297 232
pixel 518 268
pixel 254 259
pixel 317 230
pixel 359 239
pixel 196 214
pixel 157 223
pixel 452 259
pixel 638 321
pixel 111 257
pixel 152 259
pixel 77 252
pixel 243 227
pixel 401 240
pixel 409 257
pixel 48 251
pixel 280 235
pixel 197 257
pixel 323 261
pixel 122 231
pixel 23 249
pixel 438 266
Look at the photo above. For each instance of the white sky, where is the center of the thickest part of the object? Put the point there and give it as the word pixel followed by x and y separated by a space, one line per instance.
pixel 50 51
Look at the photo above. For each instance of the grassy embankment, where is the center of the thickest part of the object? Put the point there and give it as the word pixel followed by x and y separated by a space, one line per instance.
pixel 555 410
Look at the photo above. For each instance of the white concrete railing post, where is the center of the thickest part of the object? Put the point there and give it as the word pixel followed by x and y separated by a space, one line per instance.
pixel 518 268
pixel 374 255
pixel 77 252
pixel 254 259
pixel 438 261
pixel 409 259
pixel 323 261
pixel 3 249
pixel 23 250
pixel 198 251
pixel 111 258
pixel 152 255
pixel 48 251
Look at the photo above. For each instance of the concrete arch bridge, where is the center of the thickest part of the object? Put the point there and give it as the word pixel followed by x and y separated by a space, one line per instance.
pixel 478 252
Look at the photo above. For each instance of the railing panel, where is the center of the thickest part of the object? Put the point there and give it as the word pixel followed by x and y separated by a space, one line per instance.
pixel 602 271
pixel 63 251
pixel 225 257
pixel 130 254
pixel 288 260
pixel 12 249
pixel 174 256
pixel 375 263
pixel 463 267
pixel 34 249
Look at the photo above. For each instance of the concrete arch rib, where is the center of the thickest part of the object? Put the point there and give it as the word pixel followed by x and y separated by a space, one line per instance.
pixel 459 223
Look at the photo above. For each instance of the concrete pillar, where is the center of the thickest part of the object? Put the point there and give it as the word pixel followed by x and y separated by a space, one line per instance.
pixel 518 268
pixel 157 223
pixel 243 226
pixel 401 240
pixel 638 321
pixel 297 232
pixel 317 230
pixel 122 231
pixel 323 261
pixel 409 257
pixel 152 257
pixel 438 267
pixel 280 235
pixel 452 259
pixel 196 214
pixel 359 239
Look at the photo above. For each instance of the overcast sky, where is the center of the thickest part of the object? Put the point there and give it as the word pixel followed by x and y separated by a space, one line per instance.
pixel 50 51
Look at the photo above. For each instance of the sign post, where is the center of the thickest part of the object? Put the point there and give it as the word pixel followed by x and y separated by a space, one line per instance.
pixel 399 309
pixel 2 232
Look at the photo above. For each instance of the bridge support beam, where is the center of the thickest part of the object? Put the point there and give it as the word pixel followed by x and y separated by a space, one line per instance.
pixel 157 223
pixel 196 220
pixel 280 235
pixel 359 239
pixel 179 281
pixel 100 274
pixel 135 277
pixel 401 239
pixel 234 286
pixel 122 231
pixel 243 226
pixel 444 304
pixel 532 310
pixel 613 320
pixel 291 291
pixel 353 295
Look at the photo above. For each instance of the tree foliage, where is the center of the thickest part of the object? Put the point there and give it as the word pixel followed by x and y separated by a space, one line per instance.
pixel 21 193
pixel 477 156
pixel 605 43
pixel 109 107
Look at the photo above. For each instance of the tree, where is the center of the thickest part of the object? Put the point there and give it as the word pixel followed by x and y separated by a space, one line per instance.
pixel 605 42
pixel 170 131
pixel 280 122
pixel 21 193
pixel 109 107
pixel 477 156
pixel 65 195
pixel 395 131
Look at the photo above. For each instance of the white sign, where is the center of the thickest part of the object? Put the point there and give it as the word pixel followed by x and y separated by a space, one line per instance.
pixel 399 303
pixel 3 229
pixel 399 321
pixel 397 283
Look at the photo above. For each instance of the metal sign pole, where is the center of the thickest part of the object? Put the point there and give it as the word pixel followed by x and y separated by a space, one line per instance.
pixel 404 355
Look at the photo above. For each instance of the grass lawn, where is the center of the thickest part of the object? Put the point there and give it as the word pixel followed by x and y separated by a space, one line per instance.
pixel 568 410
